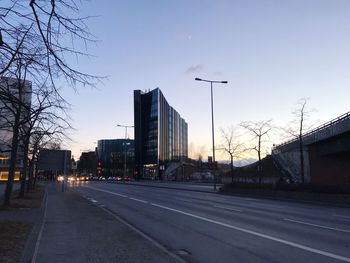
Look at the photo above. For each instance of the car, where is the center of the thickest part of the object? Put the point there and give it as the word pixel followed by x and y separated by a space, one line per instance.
pixel 60 178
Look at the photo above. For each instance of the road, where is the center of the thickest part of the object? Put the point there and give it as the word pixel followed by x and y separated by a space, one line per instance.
pixel 209 227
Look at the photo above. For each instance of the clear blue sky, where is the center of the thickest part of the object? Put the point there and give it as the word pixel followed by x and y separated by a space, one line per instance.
pixel 272 53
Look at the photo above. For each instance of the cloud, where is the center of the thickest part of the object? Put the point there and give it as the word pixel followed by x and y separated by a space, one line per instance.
pixel 194 69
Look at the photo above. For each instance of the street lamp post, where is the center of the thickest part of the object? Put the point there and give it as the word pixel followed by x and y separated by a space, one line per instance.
pixel 212 117
pixel 126 134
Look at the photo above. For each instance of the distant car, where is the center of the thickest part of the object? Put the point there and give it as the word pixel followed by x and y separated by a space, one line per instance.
pixel 60 178
pixel 111 178
pixel 126 178
pixel 71 179
pixel 119 178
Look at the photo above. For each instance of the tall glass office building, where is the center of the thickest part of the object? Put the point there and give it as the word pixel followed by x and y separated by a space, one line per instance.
pixel 160 134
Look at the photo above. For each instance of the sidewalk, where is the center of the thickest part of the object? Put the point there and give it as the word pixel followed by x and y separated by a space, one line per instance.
pixel 75 230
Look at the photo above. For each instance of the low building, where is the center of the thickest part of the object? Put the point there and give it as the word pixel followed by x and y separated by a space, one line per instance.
pixel 52 163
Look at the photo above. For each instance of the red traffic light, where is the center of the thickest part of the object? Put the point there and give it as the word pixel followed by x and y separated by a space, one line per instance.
pixel 98 171
pixel 99 164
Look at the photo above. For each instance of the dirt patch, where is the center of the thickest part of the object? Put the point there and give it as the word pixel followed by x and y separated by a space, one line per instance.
pixel 13 236
pixel 33 199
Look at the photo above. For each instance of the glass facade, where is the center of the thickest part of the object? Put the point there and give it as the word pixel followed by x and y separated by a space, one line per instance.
pixel 160 134
pixel 114 154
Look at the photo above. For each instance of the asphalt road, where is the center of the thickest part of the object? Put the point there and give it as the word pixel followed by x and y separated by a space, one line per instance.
pixel 209 227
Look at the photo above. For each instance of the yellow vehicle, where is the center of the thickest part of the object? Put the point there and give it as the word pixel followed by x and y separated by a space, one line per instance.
pixel 4 176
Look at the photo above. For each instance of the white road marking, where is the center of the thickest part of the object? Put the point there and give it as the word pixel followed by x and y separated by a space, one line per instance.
pixel 289 243
pixel 279 240
pixel 144 235
pixel 272 206
pixel 109 192
pixel 315 225
pixel 347 217
pixel 228 208
pixel 251 199
pixel 183 200
pixel 139 200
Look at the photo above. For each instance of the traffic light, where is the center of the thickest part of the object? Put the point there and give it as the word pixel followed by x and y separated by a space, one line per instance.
pixel 99 168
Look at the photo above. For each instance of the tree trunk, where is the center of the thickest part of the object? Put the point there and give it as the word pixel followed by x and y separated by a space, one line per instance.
pixel 259 157
pixel 232 169
pixel 301 160
pixel 30 177
pixel 13 161
pixel 25 169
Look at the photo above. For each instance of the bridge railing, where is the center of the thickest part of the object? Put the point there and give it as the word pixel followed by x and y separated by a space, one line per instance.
pixel 318 129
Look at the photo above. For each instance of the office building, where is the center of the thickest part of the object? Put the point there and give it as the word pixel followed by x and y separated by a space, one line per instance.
pixel 15 96
pixel 115 157
pixel 160 134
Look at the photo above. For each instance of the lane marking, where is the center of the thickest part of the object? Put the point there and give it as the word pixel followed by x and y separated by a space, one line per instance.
pixel 272 206
pixel 316 225
pixel 251 199
pixel 183 200
pixel 144 235
pixel 138 200
pixel 289 243
pixel 347 217
pixel 106 191
pixel 228 208
pixel 279 240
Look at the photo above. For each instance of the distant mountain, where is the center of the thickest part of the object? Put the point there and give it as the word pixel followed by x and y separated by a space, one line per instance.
pixel 240 163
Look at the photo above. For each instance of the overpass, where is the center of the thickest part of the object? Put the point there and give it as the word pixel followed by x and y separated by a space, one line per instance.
pixel 326 152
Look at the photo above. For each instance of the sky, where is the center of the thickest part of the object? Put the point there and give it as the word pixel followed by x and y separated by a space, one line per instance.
pixel 271 52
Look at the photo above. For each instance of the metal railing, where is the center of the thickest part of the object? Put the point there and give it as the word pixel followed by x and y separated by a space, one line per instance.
pixel 318 129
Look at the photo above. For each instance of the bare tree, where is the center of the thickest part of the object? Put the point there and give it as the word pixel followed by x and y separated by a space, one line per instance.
pixel 297 128
pixel 13 94
pixel 231 145
pixel 259 130
pixel 48 117
pixel 36 38
pixel 45 32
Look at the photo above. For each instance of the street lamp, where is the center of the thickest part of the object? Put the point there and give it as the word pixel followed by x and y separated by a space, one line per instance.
pixel 212 116
pixel 126 134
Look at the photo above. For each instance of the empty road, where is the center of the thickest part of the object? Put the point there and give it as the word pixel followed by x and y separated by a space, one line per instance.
pixel 209 227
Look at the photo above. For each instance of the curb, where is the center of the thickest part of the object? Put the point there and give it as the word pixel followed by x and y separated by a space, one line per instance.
pixel 31 243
